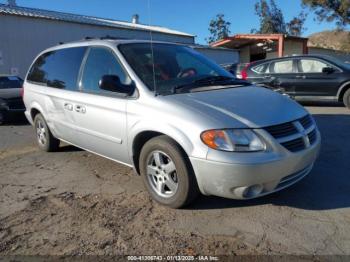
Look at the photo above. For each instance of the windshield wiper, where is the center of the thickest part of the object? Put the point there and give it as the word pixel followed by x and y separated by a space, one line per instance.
pixel 209 80
pixel 213 79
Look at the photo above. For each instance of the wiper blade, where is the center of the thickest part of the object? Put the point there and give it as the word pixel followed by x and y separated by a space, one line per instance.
pixel 214 79
pixel 210 80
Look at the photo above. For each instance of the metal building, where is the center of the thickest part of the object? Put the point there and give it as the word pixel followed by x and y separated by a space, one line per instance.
pixel 24 32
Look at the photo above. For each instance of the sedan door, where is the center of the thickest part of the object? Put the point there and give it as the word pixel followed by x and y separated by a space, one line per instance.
pixel 101 115
pixel 312 81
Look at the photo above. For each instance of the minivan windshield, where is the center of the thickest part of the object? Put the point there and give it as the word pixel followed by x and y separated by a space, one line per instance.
pixel 176 68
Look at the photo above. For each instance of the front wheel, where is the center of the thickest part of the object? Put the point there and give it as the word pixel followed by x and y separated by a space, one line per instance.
pixel 46 141
pixel 167 173
pixel 346 98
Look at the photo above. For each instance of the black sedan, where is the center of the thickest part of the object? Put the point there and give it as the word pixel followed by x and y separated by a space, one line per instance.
pixel 11 102
pixel 304 77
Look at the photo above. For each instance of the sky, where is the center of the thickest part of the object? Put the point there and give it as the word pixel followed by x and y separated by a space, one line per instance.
pixel 190 16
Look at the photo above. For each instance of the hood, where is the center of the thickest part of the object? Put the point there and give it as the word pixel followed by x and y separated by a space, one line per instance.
pixel 10 93
pixel 252 106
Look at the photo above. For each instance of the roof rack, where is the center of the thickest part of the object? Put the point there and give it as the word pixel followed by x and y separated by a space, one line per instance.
pixel 107 37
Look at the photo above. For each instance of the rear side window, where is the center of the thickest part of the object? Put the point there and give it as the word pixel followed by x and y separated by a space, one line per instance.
pixel 58 69
pixel 100 62
pixel 260 69
pixel 282 67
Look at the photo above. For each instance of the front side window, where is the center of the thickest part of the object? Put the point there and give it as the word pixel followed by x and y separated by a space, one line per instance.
pixel 166 66
pixel 58 69
pixel 100 62
pixel 311 66
pixel 282 67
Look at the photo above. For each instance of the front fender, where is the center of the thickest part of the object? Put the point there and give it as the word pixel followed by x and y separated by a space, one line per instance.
pixel 167 129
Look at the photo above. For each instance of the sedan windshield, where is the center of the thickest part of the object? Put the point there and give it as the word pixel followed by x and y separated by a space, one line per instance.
pixel 174 68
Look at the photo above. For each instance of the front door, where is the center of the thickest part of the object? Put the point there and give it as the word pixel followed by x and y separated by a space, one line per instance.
pixel 101 115
pixel 312 81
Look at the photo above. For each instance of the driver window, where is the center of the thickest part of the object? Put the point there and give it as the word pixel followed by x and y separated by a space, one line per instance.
pixel 311 66
pixel 186 62
pixel 100 62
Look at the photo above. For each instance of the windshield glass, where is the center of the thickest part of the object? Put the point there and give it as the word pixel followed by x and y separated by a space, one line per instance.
pixel 10 82
pixel 174 65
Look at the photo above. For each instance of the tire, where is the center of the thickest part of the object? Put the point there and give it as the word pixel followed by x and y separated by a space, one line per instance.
pixel 167 173
pixel 45 140
pixel 346 98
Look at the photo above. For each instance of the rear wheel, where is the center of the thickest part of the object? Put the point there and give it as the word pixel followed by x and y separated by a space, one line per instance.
pixel 346 98
pixel 46 141
pixel 167 173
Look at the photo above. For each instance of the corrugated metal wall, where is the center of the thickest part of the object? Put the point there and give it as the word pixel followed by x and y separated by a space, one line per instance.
pixel 22 38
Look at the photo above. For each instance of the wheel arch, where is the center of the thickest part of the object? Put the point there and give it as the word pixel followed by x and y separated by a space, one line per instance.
pixel 139 139
pixel 343 88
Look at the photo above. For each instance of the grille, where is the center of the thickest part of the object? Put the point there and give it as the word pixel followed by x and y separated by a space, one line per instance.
pixel 291 179
pixel 15 103
pixel 296 135
pixel 294 145
pixel 312 136
pixel 306 121
pixel 282 130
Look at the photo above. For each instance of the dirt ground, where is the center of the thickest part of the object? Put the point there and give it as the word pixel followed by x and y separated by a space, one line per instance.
pixel 75 203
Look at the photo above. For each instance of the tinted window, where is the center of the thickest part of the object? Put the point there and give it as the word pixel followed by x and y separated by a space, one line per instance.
pixel 166 66
pixel 58 68
pixel 282 67
pixel 101 62
pixel 10 82
pixel 311 66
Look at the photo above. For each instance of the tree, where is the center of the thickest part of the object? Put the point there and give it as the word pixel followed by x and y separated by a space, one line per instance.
pixel 331 10
pixel 219 28
pixel 272 20
pixel 295 27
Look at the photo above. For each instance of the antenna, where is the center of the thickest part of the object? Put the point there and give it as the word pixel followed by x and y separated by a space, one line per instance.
pixel 152 53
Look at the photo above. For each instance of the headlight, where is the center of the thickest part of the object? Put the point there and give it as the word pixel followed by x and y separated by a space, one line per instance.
pixel 237 140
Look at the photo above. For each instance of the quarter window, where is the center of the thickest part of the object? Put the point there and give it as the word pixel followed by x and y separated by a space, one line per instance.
pixel 260 69
pixel 58 69
pixel 311 66
pixel 282 67
pixel 101 62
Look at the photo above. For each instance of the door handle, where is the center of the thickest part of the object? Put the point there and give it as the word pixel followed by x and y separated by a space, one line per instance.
pixel 301 77
pixel 68 106
pixel 80 109
pixel 267 77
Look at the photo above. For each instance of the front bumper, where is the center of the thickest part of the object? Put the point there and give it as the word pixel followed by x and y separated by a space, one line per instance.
pixel 253 177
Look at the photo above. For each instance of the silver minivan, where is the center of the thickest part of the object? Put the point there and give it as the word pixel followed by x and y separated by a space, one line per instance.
pixel 181 121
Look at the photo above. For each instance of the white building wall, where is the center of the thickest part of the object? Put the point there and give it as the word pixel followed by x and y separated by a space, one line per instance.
pixel 22 38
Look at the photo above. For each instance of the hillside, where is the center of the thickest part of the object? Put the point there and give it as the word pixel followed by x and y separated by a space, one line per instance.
pixel 337 40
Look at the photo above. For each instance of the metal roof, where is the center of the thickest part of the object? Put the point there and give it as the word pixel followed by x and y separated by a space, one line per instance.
pixel 83 19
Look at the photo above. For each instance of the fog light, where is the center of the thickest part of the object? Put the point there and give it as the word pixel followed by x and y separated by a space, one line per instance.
pixel 253 191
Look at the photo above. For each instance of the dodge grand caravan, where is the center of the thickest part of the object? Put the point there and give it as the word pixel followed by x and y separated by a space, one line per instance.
pixel 181 121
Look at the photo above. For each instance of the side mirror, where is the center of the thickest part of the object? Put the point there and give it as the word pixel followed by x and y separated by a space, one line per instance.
pixel 112 83
pixel 328 70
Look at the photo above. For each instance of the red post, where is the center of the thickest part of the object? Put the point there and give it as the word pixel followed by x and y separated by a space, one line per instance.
pixel 280 45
